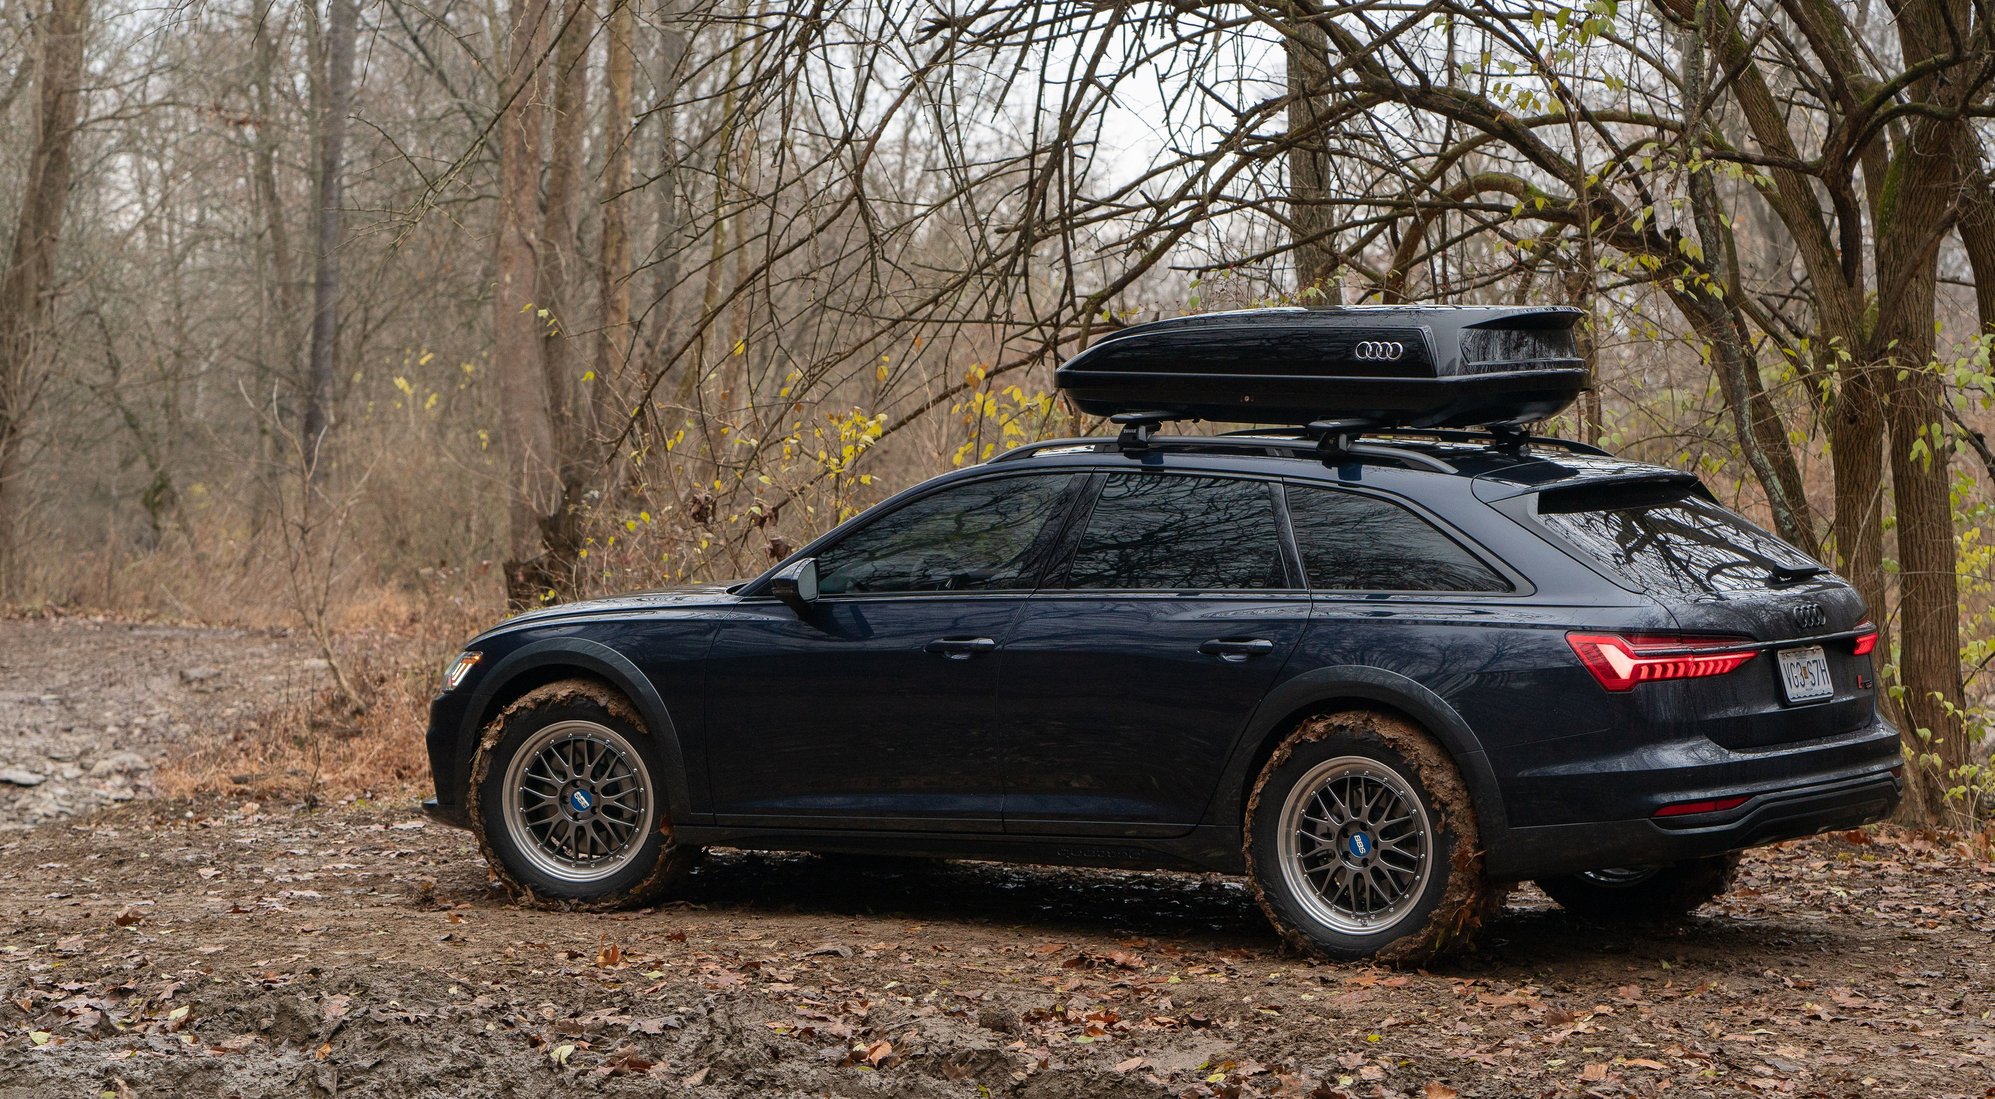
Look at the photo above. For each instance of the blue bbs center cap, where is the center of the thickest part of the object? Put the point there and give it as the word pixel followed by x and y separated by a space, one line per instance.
pixel 581 801
pixel 1361 844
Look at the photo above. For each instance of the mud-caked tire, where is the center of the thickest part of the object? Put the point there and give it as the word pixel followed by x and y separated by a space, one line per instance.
pixel 1362 842
pixel 567 800
pixel 1647 894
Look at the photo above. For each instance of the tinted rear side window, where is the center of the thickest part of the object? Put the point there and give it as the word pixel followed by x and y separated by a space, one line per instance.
pixel 1164 532
pixel 1351 542
pixel 1670 540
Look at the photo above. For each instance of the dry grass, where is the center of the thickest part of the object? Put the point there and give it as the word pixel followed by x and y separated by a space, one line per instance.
pixel 316 746
pixel 320 745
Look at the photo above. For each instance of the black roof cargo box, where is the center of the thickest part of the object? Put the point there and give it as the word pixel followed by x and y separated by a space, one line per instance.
pixel 1400 366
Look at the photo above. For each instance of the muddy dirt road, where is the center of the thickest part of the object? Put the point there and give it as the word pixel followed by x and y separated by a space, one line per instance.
pixel 172 948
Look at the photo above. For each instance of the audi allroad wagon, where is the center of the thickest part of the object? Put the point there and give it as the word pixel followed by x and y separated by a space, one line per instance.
pixel 1377 662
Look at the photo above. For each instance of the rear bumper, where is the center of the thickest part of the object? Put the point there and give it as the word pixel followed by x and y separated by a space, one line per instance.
pixel 1768 816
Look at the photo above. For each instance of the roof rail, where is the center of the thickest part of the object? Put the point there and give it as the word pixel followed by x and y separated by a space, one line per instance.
pixel 1294 447
pixel 1509 441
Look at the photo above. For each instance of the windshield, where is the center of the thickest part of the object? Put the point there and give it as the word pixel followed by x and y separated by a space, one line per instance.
pixel 1672 540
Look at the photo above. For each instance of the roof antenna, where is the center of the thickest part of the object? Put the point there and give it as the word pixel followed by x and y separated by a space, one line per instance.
pixel 1139 429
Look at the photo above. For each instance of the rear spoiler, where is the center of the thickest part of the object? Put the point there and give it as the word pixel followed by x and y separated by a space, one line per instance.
pixel 1564 484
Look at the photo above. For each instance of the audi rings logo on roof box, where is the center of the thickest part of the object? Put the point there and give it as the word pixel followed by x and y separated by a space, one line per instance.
pixel 1810 616
pixel 1381 350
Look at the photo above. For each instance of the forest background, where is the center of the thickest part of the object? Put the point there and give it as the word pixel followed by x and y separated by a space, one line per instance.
pixel 371 318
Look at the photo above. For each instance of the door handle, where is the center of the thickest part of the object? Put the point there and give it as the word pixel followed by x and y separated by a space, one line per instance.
pixel 960 648
pixel 1237 649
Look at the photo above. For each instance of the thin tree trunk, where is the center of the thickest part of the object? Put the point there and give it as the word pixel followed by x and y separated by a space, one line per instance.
pixel 613 266
pixel 1856 438
pixel 342 27
pixel 283 286
pixel 560 283
pixel 27 286
pixel 1755 425
pixel 517 341
pixel 666 75
pixel 1311 218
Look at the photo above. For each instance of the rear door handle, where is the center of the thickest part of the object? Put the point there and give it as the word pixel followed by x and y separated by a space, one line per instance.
pixel 961 648
pixel 1237 648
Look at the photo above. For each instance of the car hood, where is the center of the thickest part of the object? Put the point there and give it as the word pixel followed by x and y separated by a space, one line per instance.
pixel 704 595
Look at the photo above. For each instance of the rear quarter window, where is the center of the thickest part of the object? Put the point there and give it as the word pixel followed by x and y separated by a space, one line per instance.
pixel 1668 540
pixel 1352 542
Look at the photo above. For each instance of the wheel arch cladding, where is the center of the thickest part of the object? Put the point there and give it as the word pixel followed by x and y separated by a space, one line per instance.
pixel 1355 687
pixel 539 663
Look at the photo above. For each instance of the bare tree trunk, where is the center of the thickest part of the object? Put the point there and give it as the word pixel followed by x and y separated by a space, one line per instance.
pixel 1922 448
pixel 517 340
pixel 1311 218
pixel 282 287
pixel 27 287
pixel 342 26
pixel 1761 438
pixel 613 266
pixel 668 195
pixel 560 293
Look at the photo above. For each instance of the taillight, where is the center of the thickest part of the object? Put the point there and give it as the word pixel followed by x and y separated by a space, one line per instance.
pixel 1864 641
pixel 1620 661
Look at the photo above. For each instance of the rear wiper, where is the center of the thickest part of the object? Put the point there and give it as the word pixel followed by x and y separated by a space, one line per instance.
pixel 1789 574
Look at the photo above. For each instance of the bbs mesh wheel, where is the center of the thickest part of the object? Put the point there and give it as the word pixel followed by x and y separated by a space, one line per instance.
pixel 1362 843
pixel 567 801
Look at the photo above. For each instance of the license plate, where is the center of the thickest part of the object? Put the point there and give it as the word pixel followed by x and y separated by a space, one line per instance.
pixel 1804 674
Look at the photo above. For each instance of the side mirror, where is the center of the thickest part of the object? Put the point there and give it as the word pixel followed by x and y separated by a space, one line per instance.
pixel 796 585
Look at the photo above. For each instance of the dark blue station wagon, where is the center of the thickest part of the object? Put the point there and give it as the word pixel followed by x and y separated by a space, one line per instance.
pixel 1380 672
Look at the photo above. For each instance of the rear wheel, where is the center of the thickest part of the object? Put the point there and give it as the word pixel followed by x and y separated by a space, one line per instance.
pixel 1361 842
pixel 568 804
pixel 1635 894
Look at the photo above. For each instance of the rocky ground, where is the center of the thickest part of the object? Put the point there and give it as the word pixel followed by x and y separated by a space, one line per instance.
pixel 88 707
pixel 164 947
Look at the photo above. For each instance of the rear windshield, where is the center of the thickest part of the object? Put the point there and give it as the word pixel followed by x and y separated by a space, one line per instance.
pixel 1669 539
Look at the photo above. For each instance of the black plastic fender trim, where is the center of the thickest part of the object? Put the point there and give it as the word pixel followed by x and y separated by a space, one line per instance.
pixel 606 663
pixel 1360 684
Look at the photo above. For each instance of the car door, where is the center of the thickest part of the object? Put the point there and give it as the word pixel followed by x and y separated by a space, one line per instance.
pixel 873 709
pixel 1128 679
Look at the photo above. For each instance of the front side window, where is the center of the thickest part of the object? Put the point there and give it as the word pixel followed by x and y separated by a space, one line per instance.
pixel 1351 542
pixel 1162 532
pixel 983 536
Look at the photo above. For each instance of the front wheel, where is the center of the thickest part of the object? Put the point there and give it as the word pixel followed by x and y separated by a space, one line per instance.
pixel 567 801
pixel 1362 843
pixel 1636 894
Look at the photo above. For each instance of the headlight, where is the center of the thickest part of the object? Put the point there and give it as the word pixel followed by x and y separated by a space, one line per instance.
pixel 460 668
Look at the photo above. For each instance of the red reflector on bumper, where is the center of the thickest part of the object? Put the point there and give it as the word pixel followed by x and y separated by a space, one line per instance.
pixel 1865 641
pixel 1713 805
